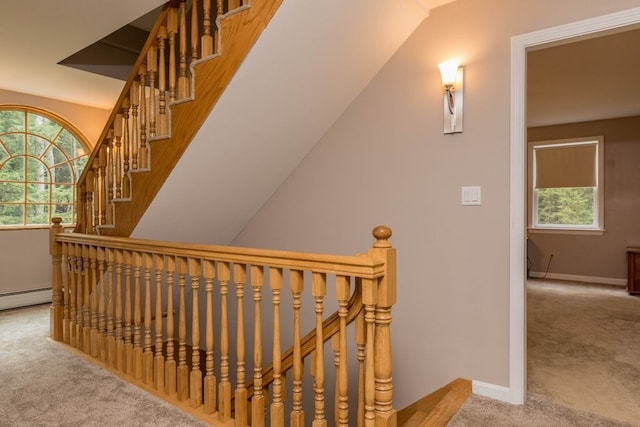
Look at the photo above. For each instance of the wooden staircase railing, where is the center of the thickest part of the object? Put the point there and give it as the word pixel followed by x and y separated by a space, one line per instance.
pixel 185 64
pixel 125 303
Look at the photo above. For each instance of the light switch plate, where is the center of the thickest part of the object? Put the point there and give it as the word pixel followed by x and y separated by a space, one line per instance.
pixel 471 196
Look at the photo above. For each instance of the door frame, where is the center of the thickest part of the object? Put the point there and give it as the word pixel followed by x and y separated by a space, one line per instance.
pixel 518 179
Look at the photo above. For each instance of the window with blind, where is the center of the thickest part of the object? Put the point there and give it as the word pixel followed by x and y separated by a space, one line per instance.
pixel 566 184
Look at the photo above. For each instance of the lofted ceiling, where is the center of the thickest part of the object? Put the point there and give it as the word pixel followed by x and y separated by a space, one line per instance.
pixel 36 35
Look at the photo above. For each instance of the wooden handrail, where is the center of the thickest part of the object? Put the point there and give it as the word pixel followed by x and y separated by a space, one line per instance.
pixel 341 264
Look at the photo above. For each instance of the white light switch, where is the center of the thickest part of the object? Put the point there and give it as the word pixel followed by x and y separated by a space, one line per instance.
pixel 471 196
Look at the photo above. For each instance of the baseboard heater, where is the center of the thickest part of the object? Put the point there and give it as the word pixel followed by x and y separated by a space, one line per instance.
pixel 25 298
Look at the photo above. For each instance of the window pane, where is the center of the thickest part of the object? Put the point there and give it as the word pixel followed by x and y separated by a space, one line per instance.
pixel 566 206
pixel 14 143
pixel 62 174
pixel 11 214
pixel 11 121
pixel 11 192
pixel 37 171
pixel 53 156
pixel 70 145
pixel 37 214
pixel 36 145
pixel 63 193
pixel 37 193
pixel 42 126
pixel 13 170
pixel 78 166
pixel 3 154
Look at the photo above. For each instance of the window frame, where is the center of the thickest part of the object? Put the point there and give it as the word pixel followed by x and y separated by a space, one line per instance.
pixel 598 212
pixel 69 161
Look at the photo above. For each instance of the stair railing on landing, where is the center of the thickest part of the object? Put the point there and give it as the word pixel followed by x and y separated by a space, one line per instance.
pixel 115 302
pixel 162 105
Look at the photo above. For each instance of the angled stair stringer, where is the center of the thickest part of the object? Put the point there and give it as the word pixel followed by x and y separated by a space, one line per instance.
pixel 238 34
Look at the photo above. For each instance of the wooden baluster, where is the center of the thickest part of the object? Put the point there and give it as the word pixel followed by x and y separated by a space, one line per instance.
pixel 368 299
pixel 209 378
pixel 147 354
pixel 152 67
pixel 128 316
pixel 143 153
pixel 117 155
pixel 137 317
pixel 182 380
pixel 79 297
pixel 81 189
pixel 277 405
pixel 335 347
pixel 384 298
pixel 224 392
pixel 361 342
pixel 99 187
pixel 319 290
pixel 71 257
pixel 95 343
pixel 86 322
pixel 102 325
pixel 126 150
pixel 234 4
pixel 134 95
pixel 216 34
pixel 183 79
pixel 57 293
pixel 118 361
pixel 206 40
pixel 162 83
pixel 240 278
pixel 111 339
pixel 88 219
pixel 195 389
pixel 170 363
pixel 158 361
pixel 65 293
pixel 296 283
pixel 109 180
pixel 342 295
pixel 258 400
pixel 172 29
pixel 194 31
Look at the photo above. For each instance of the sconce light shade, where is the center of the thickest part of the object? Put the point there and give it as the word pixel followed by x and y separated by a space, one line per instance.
pixel 452 83
pixel 449 72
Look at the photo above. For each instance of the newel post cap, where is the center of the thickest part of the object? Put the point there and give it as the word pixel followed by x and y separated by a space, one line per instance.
pixel 382 233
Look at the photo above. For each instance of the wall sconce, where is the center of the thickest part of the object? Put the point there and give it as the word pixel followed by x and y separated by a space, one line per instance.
pixel 452 82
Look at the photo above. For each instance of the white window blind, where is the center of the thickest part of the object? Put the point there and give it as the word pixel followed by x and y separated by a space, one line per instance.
pixel 566 165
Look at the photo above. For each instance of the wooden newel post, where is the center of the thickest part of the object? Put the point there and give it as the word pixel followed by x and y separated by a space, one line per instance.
pixel 385 414
pixel 57 304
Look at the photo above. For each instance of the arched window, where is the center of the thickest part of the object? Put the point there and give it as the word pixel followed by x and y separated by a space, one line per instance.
pixel 41 158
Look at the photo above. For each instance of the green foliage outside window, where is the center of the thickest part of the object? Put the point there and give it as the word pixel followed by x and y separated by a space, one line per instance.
pixel 565 206
pixel 41 159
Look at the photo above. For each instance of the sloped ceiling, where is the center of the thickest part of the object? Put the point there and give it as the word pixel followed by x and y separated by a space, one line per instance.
pixel 307 67
pixel 35 35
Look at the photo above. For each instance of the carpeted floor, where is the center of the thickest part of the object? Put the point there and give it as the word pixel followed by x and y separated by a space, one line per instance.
pixel 583 361
pixel 44 385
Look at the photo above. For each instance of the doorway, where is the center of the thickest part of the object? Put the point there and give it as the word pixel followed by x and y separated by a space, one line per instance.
pixel 518 173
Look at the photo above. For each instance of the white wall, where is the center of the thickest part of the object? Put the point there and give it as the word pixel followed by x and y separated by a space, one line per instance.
pixel 386 161
pixel 25 263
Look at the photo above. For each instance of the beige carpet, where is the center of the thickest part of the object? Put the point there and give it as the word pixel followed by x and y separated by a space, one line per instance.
pixel 583 361
pixel 45 385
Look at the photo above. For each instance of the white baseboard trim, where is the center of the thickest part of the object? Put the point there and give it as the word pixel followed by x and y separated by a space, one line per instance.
pixel 491 391
pixel 26 298
pixel 577 278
